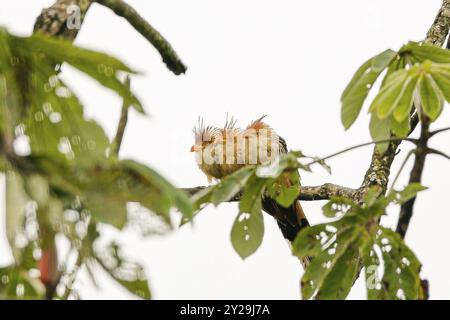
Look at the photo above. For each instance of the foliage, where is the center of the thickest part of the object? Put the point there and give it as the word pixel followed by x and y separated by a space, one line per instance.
pixel 417 78
pixel 280 181
pixel 66 181
pixel 354 237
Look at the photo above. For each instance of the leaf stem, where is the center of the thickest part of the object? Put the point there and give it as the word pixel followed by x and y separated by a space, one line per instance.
pixel 117 142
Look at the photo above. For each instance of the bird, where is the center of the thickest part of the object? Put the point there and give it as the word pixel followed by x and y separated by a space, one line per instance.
pixel 213 145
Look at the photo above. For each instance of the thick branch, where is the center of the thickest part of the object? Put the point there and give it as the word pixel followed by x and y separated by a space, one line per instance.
pixel 53 20
pixel 323 192
pixel 168 54
pixel 380 166
pixel 439 30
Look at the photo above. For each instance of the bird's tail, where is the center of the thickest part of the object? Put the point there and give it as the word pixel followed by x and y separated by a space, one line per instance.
pixel 290 220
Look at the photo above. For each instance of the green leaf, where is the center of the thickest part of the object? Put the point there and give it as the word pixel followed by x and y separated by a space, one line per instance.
pixel 338 206
pixel 401 129
pixel 248 228
pixel 386 101
pixel 309 240
pixel 425 51
pixel 178 199
pixel 98 66
pixel 231 185
pixel 16 200
pixel 442 80
pixel 401 267
pixel 340 279
pixel 410 191
pixel 253 191
pixel 285 189
pixel 376 289
pixel 247 233
pixel 380 130
pixel 430 98
pixel 17 284
pixel 371 196
pixel 357 90
pixel 403 109
pixel 324 263
pixel 381 61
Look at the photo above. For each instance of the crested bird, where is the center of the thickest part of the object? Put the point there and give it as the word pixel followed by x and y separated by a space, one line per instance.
pixel 222 151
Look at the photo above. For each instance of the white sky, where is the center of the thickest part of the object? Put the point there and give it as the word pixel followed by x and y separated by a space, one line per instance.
pixel 287 59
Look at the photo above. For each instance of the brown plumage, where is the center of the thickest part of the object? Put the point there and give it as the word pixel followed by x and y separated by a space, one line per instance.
pixel 211 152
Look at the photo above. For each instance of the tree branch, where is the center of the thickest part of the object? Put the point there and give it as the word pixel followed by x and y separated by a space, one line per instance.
pixel 308 193
pixel 53 20
pixel 406 210
pixel 439 30
pixel 436 35
pixel 168 54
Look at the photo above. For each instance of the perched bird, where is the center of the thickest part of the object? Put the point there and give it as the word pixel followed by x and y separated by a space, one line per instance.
pixel 222 151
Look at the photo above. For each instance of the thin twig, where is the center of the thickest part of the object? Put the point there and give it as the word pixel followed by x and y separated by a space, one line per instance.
pixel 435 132
pixel 393 139
pixel 440 153
pixel 117 142
pixel 410 153
pixel 166 51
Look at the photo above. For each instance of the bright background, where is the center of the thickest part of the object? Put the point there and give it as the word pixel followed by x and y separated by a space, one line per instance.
pixel 287 59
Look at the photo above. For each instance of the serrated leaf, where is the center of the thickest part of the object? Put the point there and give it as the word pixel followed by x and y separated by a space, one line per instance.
pixel 371 196
pixel 401 267
pixel 99 66
pixel 339 281
pixel 337 207
pixel 323 264
pixel 410 191
pixel 430 98
pixel 178 199
pixel 376 289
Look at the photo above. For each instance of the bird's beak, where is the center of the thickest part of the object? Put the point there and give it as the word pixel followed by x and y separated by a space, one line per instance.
pixel 195 148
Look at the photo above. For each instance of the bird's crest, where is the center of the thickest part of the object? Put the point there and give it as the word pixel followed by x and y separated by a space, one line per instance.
pixel 258 124
pixel 204 134
pixel 229 130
